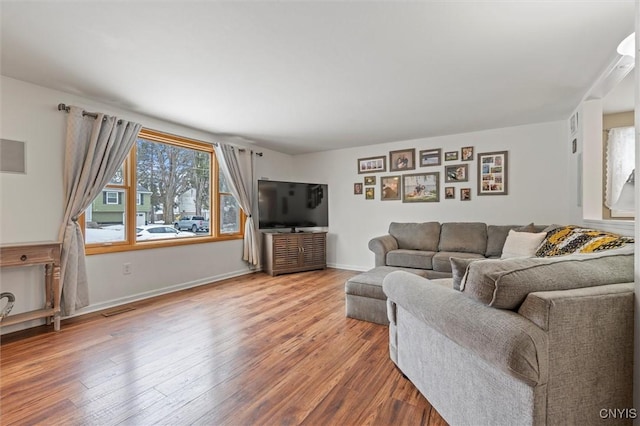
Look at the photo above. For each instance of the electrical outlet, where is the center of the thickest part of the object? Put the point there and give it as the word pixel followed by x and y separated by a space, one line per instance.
pixel 126 268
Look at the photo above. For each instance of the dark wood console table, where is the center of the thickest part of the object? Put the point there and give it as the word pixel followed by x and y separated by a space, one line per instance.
pixel 28 254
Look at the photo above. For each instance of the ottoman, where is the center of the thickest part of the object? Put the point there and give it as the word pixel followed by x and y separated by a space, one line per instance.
pixel 364 298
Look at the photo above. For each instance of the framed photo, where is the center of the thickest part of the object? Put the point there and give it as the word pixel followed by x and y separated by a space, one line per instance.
pixel 456 173
pixel 390 188
pixel 430 157
pixel 573 123
pixel 369 193
pixel 369 180
pixel 421 187
pixel 574 146
pixel 451 156
pixel 465 194
pixel 493 173
pixel 372 164
pixel 449 193
pixel 404 159
pixel 466 153
pixel 357 188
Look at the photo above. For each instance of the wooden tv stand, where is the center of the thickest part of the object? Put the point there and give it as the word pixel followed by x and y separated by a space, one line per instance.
pixel 286 252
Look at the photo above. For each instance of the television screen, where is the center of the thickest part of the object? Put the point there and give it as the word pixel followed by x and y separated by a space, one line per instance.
pixel 292 204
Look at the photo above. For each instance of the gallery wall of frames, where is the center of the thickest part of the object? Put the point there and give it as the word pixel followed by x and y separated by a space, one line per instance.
pixel 431 175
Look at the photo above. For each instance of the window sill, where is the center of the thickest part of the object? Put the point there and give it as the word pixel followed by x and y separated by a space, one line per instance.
pixel 120 247
pixel 623 227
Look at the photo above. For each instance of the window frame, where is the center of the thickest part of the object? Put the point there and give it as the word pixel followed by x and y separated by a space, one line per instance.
pixel 129 189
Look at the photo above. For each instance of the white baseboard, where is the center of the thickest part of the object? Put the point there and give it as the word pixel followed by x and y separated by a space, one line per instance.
pixel 158 292
pixel 349 267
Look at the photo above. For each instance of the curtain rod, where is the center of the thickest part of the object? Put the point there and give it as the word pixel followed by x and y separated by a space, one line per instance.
pixel 259 154
pixel 65 108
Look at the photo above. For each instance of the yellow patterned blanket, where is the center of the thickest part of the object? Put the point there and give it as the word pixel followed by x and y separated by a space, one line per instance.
pixel 575 239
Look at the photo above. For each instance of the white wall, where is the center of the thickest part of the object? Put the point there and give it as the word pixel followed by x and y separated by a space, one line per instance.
pixel 31 207
pixel 538 175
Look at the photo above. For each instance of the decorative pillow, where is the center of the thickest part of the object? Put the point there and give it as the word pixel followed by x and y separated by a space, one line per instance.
pixel 521 244
pixel 505 284
pixel 459 268
pixel 574 239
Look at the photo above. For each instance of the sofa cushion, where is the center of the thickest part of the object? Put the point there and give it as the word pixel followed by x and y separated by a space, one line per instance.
pixel 410 258
pixel 522 244
pixel 416 236
pixel 575 239
pixel 463 237
pixel 506 283
pixel 441 261
pixel 369 284
pixel 459 268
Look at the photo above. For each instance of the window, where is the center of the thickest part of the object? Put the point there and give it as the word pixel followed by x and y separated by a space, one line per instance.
pixel 111 197
pixel 167 192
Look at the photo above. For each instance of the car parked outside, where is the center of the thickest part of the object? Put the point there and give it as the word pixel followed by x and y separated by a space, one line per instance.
pixel 157 232
pixel 192 223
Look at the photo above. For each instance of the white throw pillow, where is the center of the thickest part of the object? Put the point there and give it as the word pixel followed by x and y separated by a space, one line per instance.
pixel 521 244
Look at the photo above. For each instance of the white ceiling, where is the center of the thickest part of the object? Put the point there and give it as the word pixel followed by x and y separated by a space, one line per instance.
pixel 310 76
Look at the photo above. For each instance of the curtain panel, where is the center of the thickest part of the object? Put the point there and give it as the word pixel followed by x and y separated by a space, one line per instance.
pixel 237 166
pixel 620 162
pixel 95 149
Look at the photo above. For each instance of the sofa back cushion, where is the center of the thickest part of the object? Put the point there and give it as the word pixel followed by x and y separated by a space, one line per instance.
pixel 506 283
pixel 416 236
pixel 465 237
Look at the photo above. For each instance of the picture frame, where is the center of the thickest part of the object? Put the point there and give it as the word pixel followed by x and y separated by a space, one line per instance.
pixel 390 188
pixel 574 146
pixel 357 188
pixel 449 192
pixel 451 156
pixel 573 124
pixel 465 194
pixel 430 157
pixel 466 153
pixel 369 180
pixel 403 159
pixel 370 193
pixel 421 188
pixel 456 173
pixel 493 173
pixel 372 164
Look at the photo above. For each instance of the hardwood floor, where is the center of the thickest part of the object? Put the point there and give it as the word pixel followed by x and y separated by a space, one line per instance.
pixel 253 350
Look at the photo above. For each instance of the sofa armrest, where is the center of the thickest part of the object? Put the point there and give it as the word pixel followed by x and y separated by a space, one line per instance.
pixel 382 245
pixel 590 333
pixel 539 306
pixel 503 338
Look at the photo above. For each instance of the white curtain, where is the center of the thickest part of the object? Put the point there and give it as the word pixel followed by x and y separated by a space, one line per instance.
pixel 237 166
pixel 95 149
pixel 620 162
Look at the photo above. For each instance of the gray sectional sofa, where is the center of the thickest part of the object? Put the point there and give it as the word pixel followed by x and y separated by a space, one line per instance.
pixel 423 249
pixel 429 246
pixel 521 341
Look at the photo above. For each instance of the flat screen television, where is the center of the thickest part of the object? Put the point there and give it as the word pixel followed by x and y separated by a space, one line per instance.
pixel 292 205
